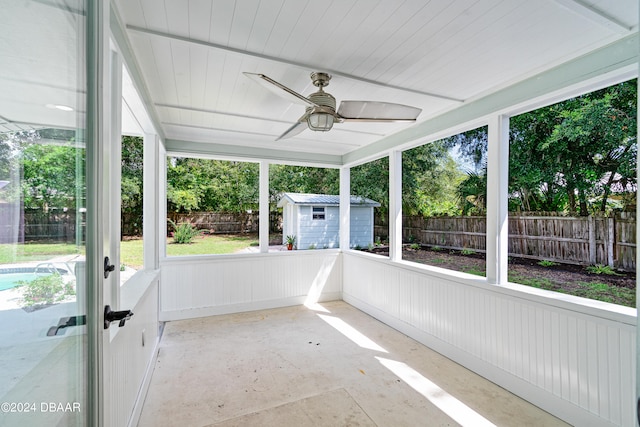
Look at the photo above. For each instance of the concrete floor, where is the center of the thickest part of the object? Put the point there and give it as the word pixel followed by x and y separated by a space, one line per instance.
pixel 333 366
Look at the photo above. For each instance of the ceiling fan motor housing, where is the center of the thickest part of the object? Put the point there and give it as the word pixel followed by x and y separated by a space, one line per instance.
pixel 321 118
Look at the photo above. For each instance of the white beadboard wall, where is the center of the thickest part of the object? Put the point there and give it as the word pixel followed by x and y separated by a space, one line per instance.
pixel 575 361
pixel 131 362
pixel 209 285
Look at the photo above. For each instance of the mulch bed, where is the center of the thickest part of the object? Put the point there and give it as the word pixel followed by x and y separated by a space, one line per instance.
pixel 565 278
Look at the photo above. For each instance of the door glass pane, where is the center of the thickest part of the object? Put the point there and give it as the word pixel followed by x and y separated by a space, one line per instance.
pixel 42 214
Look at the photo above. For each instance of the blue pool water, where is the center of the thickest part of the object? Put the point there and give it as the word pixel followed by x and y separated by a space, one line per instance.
pixel 10 280
pixel 11 276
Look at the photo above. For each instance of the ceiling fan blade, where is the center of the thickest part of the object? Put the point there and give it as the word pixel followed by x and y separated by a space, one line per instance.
pixel 292 131
pixel 300 125
pixel 374 111
pixel 280 89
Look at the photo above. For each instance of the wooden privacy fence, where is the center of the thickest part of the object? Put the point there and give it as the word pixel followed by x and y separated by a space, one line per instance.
pixel 577 240
pixel 56 225
pixel 227 223
pixel 218 223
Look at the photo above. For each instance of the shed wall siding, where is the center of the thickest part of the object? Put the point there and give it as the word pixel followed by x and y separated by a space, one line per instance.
pixel 361 226
pixel 318 233
pixel 323 234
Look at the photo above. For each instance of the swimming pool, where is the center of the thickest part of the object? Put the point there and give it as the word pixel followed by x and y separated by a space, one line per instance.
pixel 10 280
pixel 10 277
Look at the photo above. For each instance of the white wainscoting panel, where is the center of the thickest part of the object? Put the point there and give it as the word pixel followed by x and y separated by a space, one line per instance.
pixel 574 360
pixel 131 360
pixel 203 286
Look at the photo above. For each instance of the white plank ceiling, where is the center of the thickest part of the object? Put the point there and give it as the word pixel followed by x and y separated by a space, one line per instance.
pixel 436 55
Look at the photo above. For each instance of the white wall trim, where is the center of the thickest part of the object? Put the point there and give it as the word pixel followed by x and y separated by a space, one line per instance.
pixel 210 285
pixel 583 306
pixel 541 398
pixel 572 357
pixel 167 316
pixel 144 387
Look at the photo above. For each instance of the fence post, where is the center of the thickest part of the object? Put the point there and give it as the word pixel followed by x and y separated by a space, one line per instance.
pixel 592 239
pixel 611 238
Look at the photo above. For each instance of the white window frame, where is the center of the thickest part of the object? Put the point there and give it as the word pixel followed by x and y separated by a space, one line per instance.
pixel 319 215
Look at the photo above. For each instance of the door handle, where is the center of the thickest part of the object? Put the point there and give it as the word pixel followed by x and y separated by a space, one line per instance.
pixel 67 322
pixel 113 316
pixel 108 268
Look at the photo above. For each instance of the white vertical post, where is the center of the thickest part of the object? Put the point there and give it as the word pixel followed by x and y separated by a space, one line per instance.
pixel 345 208
pixel 161 205
pixel 497 243
pixel 263 226
pixel 114 151
pixel 395 205
pixel 151 202
pixel 637 399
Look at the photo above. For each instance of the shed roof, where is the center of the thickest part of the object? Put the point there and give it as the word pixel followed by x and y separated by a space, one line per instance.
pixel 323 199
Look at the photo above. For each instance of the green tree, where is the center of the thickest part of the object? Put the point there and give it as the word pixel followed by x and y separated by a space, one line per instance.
pixel 569 156
pixel 372 180
pixel 49 175
pixel 595 144
pixel 302 179
pixel 430 177
pixel 211 185
pixel 131 182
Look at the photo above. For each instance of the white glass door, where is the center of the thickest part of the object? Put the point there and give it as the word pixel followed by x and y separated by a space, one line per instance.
pixel 43 304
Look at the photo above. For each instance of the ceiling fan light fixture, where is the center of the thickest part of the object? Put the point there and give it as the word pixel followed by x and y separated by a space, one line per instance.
pixel 321 122
pixel 321 113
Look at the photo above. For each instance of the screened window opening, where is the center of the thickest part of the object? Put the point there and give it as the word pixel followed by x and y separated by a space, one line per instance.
pixel 318 213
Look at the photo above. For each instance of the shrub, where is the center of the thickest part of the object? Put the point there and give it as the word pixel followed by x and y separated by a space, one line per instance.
pixel 467 251
pixel 415 246
pixel 601 269
pixel 43 290
pixel 184 232
pixel 547 263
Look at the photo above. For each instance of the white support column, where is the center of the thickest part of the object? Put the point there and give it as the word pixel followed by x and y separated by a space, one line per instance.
pixel 637 400
pixel 497 202
pixel 264 207
pixel 161 205
pixel 345 208
pixel 114 152
pixel 151 202
pixel 395 205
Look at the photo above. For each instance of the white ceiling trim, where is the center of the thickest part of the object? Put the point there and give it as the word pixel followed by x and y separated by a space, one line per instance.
pixel 618 58
pixel 142 96
pixel 234 152
pixel 595 15
pixel 286 61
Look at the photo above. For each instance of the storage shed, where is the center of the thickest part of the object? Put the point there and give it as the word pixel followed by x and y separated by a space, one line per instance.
pixel 315 220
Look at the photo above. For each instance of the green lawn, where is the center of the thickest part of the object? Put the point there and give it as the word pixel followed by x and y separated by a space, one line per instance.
pixel 130 250
pixel 28 252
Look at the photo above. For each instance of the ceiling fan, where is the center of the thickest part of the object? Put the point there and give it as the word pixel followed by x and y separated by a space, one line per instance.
pixel 321 113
